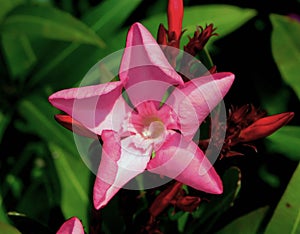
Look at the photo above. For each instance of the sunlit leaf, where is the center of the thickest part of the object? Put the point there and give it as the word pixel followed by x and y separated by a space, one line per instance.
pixel 286 49
pixel 285 141
pixel 50 23
pixel 286 217
pixel 18 53
pixel 247 224
pixel 8 229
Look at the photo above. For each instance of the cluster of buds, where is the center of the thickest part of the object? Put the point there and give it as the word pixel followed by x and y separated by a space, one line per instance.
pixel 170 38
pixel 199 40
pixel 248 124
pixel 245 125
pixel 172 195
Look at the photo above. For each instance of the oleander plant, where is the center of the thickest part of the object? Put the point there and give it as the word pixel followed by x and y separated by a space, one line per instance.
pixel 149 117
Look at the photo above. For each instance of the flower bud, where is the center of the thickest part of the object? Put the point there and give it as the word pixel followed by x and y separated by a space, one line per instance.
pixel 265 126
pixel 188 203
pixel 164 199
pixel 175 16
pixel 162 35
pixel 74 126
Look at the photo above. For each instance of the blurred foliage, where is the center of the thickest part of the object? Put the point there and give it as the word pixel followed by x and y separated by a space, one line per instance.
pixel 48 45
pixel 286 215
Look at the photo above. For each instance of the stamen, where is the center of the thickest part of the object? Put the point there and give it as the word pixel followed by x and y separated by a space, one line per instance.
pixel 154 130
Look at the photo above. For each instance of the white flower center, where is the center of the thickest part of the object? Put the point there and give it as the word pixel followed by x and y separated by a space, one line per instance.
pixel 154 130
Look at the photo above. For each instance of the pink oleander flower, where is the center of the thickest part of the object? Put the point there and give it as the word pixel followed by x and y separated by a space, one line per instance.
pixel 71 226
pixel 151 136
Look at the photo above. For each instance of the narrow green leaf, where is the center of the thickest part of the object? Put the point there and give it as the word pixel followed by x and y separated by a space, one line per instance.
pixel 226 18
pixel 3 216
pixel 27 225
pixel 50 23
pixel 8 229
pixel 209 213
pixel 246 224
pixel 18 53
pixel 181 222
pixel 103 18
pixel 4 121
pixel 286 49
pixel 103 21
pixel 39 116
pixel 74 178
pixel 73 173
pixel 286 217
pixel 285 141
pixel 8 5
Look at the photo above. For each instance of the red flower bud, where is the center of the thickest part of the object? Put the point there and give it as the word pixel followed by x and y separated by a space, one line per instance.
pixel 264 127
pixel 74 126
pixel 200 38
pixel 187 203
pixel 175 16
pixel 162 35
pixel 164 199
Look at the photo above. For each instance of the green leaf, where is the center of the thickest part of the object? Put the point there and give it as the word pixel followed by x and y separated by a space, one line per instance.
pixel 181 222
pixel 4 121
pixel 209 213
pixel 38 113
pixel 73 173
pixel 285 141
pixel 286 217
pixel 50 23
pixel 3 216
pixel 103 18
pixel 226 18
pixel 28 225
pixel 74 178
pixel 103 21
pixel 19 54
pixel 8 5
pixel 247 224
pixel 8 229
pixel 286 49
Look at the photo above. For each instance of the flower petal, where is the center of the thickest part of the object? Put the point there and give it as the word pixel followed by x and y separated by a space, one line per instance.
pixel 120 162
pixel 91 105
pixel 71 226
pixel 143 60
pixel 184 161
pixel 197 99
